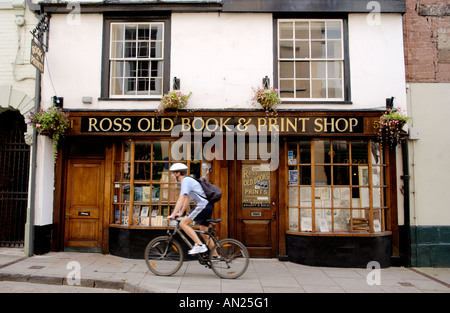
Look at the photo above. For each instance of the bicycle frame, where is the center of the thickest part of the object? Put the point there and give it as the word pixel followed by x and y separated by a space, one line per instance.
pixel 200 256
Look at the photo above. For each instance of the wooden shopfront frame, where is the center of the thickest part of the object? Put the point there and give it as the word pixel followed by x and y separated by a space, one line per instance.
pixel 116 126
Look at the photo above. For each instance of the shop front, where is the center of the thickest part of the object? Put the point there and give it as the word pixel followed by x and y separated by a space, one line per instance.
pixel 311 187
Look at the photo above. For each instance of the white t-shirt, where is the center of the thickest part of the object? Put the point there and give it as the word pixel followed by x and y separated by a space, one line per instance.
pixel 193 189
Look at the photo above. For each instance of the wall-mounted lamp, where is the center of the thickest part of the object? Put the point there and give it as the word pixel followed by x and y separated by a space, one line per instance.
pixel 176 83
pixel 389 103
pixel 266 82
pixel 58 101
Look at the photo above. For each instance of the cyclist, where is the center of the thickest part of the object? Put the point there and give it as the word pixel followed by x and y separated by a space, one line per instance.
pixel 191 189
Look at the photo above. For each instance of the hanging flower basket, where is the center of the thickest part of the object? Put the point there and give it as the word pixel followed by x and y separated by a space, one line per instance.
pixel 53 122
pixel 173 100
pixel 390 127
pixel 267 98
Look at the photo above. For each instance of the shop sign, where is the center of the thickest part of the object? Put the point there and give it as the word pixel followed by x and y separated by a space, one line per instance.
pixel 284 125
pixel 37 56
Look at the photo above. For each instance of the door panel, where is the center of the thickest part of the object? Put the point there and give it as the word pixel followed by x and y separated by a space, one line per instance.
pixel 84 203
pixel 257 206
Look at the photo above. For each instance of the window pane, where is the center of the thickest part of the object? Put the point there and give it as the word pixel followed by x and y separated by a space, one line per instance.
pixel 143 70
pixel 117 50
pixel 306 220
pixel 341 197
pixel 302 69
pixel 318 50
pixel 303 89
pixel 130 49
pixel 143 32
pixel 301 49
pixel 341 220
pixel 376 153
pixel 285 30
pixel 323 175
pixel 286 69
pixel 143 49
pixel 334 49
pixel 322 151
pixel 301 30
pixel 156 33
pixel 359 152
pixel 335 88
pixel 334 69
pixel 341 175
pixel 318 69
pixel 334 30
pixel 286 49
pixel 305 175
pixel 293 219
pixel 305 151
pixel 130 69
pixel 293 196
pixel 341 151
pixel 317 30
pixel 130 86
pixel 117 32
pixel 156 50
pixel 117 86
pixel 156 70
pixel 130 32
pixel 319 89
pixel 287 89
pixel 323 220
pixel 143 85
pixel 116 69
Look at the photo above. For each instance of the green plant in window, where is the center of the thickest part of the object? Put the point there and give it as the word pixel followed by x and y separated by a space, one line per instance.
pixel 53 122
pixel 173 100
pixel 267 98
pixel 390 126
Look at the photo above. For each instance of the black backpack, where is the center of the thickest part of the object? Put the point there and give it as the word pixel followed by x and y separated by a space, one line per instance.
pixel 212 192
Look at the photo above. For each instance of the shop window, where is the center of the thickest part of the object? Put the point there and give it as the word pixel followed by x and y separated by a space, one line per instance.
pixel 144 191
pixel 337 186
pixel 311 59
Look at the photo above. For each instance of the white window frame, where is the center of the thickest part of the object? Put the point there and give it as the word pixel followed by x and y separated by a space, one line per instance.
pixel 136 58
pixel 310 59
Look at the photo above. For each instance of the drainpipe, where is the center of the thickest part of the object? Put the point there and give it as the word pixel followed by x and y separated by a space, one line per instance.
pixel 29 225
pixel 406 202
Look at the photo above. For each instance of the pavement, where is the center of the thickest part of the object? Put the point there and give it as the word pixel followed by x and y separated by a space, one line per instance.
pixel 107 273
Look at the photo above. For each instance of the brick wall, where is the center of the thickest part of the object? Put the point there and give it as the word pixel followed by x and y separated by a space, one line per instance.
pixel 427 40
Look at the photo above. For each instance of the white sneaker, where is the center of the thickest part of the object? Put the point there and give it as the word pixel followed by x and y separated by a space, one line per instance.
pixel 198 249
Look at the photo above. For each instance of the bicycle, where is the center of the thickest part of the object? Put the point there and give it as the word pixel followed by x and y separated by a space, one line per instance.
pixel 228 258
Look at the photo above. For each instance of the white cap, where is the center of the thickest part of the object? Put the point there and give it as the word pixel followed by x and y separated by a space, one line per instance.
pixel 178 167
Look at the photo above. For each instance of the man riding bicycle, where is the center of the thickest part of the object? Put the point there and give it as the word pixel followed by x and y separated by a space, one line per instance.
pixel 191 189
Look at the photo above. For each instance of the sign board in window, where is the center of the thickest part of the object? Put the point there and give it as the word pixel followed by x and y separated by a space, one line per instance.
pixel 256 185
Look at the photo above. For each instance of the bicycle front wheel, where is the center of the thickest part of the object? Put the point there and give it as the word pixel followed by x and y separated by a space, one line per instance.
pixel 232 258
pixel 163 257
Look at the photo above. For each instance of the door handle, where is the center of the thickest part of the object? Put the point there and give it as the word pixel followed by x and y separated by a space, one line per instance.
pixel 274 215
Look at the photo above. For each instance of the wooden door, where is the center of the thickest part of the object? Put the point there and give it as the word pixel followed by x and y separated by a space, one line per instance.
pixel 84 204
pixel 257 208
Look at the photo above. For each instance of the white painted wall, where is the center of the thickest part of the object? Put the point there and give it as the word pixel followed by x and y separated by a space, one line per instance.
pixel 220 57
pixel 429 105
pixel 377 68
pixel 73 62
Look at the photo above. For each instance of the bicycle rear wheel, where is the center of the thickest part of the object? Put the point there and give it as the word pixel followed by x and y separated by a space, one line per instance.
pixel 163 258
pixel 233 258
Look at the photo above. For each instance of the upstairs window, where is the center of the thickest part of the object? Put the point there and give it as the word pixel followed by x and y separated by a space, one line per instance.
pixel 136 60
pixel 311 60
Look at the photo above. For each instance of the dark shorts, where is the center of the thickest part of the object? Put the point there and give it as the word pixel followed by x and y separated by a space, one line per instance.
pixel 200 216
